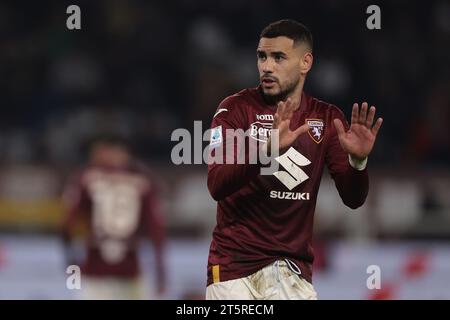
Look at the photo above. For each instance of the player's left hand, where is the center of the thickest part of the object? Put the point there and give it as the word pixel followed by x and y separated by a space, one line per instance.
pixel 358 141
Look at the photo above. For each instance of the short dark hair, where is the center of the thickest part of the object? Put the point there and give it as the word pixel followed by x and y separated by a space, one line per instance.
pixel 291 29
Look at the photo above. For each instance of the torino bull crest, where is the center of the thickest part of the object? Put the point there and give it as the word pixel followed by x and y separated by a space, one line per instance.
pixel 316 128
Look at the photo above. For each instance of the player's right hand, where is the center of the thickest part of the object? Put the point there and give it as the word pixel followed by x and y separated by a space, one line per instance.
pixel 281 122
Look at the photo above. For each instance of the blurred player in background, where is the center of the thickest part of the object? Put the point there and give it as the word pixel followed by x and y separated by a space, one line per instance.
pixel 117 198
pixel 262 244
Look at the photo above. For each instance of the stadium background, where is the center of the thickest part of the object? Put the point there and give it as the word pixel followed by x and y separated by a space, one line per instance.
pixel 145 68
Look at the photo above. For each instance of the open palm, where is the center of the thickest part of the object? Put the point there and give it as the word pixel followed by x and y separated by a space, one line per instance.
pixel 359 140
pixel 282 122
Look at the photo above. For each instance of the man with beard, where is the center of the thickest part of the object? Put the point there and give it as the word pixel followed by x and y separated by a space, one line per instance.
pixel 261 246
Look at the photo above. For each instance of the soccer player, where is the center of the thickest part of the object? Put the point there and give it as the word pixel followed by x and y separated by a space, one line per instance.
pixel 261 246
pixel 118 199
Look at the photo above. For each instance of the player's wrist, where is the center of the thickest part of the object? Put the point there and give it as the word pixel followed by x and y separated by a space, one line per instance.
pixel 275 149
pixel 358 164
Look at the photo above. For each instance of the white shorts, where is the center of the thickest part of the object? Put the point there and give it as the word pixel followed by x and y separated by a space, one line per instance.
pixel 99 288
pixel 277 281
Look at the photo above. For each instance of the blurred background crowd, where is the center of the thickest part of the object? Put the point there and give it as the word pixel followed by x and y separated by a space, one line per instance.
pixel 141 69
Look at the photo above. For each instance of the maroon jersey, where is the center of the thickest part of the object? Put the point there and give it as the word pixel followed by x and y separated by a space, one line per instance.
pixel 263 218
pixel 119 205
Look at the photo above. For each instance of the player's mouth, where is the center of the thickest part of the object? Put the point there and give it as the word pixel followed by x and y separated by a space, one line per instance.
pixel 268 82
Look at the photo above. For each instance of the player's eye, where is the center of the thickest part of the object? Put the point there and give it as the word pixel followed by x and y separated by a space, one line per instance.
pixel 278 57
pixel 261 56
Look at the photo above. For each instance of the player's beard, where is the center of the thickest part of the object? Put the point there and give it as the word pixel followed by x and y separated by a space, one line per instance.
pixel 285 92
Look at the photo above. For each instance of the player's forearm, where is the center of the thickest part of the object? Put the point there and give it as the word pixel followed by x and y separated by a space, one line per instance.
pixel 226 179
pixel 353 187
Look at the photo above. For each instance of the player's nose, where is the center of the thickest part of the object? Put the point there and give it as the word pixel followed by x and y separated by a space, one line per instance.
pixel 267 66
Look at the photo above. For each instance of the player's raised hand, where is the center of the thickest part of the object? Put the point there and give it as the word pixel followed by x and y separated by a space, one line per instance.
pixel 282 121
pixel 358 141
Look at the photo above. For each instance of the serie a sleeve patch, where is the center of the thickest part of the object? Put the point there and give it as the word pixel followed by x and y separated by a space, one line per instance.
pixel 216 136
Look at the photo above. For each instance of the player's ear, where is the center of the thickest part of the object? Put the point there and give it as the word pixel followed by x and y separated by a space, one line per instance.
pixel 306 62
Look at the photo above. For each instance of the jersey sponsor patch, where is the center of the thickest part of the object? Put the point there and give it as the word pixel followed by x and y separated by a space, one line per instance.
pixel 316 129
pixel 264 117
pixel 216 136
pixel 292 160
pixel 286 195
pixel 260 131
